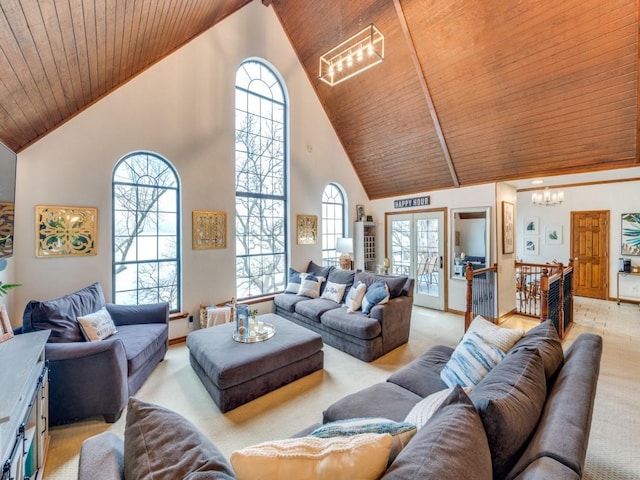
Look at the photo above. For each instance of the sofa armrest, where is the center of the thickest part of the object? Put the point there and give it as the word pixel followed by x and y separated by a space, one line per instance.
pixel 137 314
pixel 74 368
pixel 395 321
pixel 102 458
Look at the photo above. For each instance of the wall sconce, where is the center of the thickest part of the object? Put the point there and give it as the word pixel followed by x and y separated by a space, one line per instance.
pixel 547 198
pixel 360 52
pixel 345 246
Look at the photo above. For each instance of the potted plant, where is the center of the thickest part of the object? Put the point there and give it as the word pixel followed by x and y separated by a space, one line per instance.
pixel 5 287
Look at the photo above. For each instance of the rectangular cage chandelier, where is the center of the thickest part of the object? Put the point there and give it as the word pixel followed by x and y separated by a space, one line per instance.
pixel 356 54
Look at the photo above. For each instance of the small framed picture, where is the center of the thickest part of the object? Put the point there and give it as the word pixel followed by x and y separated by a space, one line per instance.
pixel 307 229
pixel 531 226
pixel 6 332
pixel 360 213
pixel 531 246
pixel 553 235
pixel 508 231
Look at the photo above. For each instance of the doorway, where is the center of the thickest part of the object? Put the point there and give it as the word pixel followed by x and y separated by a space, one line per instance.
pixel 415 247
pixel 590 248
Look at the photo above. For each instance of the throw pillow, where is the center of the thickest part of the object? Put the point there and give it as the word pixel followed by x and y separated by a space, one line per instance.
pixel 293 284
pixel 343 277
pixel 501 337
pixel 339 458
pixel 60 315
pixel 320 271
pixel 377 294
pixel 451 446
pixel 334 291
pixel 97 326
pixel 401 432
pixel 355 296
pixel 310 285
pixel 472 359
pixel 544 338
pixel 425 408
pixel 510 400
pixel 160 443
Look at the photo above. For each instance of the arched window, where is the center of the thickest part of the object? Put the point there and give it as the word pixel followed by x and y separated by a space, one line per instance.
pixel 146 231
pixel 333 223
pixel 261 168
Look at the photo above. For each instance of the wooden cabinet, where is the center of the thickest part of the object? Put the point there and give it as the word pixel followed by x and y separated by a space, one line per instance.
pixel 364 246
pixel 24 428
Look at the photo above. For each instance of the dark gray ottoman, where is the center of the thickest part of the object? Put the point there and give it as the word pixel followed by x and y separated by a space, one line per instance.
pixel 235 373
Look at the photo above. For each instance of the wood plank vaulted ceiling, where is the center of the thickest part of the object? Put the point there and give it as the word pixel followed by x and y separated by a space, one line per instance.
pixel 470 91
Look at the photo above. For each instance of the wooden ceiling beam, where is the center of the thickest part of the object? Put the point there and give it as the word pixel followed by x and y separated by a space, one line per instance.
pixel 425 89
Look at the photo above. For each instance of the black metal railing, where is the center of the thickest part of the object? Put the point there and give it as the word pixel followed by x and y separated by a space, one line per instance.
pixel 481 293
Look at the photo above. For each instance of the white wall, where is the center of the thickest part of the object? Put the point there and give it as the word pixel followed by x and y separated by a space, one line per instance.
pixel 183 109
pixel 617 198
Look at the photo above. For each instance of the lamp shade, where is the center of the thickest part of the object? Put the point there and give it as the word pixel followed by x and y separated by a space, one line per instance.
pixel 344 245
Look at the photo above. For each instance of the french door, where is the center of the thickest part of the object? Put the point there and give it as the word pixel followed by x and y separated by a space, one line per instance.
pixel 415 247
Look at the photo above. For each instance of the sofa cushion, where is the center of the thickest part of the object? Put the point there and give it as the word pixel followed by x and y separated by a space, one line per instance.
pixel 376 294
pixel 401 432
pixel 320 271
pixel 343 277
pixel 354 324
pixel 454 432
pixel 97 326
pixel 470 362
pixel 314 308
pixel 354 298
pixel 310 285
pixel 60 315
pixel 422 375
pixel 544 338
pixel 141 343
pixel 379 400
pixel 395 283
pixel 293 282
pixel 510 399
pixel 287 301
pixel 334 291
pixel 425 408
pixel 359 456
pixel 159 443
pixel 501 337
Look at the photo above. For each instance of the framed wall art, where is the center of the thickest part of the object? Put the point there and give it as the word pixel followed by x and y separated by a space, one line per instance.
pixel 209 230
pixel 307 229
pixel 360 213
pixel 630 234
pixel 553 234
pixel 6 332
pixel 531 246
pixel 508 233
pixel 531 226
pixel 66 231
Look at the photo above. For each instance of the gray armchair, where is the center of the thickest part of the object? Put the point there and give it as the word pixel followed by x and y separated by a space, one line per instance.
pixel 97 378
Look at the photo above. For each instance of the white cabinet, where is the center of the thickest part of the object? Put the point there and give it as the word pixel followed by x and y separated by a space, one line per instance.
pixel 24 428
pixel 364 246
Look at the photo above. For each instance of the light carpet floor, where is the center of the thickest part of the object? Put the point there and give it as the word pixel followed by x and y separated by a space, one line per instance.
pixel 615 433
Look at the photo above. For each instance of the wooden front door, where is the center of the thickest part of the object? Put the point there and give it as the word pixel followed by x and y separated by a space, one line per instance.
pixel 590 247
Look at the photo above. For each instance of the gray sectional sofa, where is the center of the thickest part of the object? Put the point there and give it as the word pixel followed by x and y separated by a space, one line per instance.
pixel 529 418
pixel 366 337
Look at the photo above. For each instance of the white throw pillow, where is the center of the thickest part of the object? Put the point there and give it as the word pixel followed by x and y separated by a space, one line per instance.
pixel 501 337
pixel 425 408
pixel 354 298
pixel 97 326
pixel 310 285
pixel 339 458
pixel 334 291
pixel 470 362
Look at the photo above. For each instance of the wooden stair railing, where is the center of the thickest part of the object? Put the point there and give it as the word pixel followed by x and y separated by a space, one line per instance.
pixel 481 293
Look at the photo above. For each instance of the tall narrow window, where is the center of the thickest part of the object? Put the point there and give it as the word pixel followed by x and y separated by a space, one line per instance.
pixel 146 231
pixel 261 193
pixel 333 226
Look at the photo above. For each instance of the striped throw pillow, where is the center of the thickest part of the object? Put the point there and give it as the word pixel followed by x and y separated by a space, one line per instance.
pixel 472 359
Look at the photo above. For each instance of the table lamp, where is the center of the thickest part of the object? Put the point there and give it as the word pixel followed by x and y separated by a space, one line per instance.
pixel 344 246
